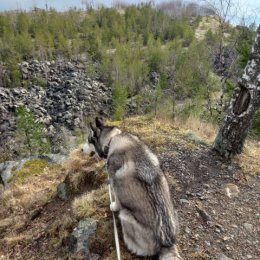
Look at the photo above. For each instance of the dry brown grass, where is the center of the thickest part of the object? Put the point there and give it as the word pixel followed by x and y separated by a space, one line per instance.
pixel 153 130
pixel 82 170
pixel 33 191
pixel 94 203
pixel 249 160
pixel 157 132
pixel 14 239
pixel 76 161
pixel 205 24
pixel 32 187
pixel 150 130
pixel 36 185
pixel 205 131
pixel 60 230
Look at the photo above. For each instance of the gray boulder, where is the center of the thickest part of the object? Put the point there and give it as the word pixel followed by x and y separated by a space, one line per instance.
pixel 221 256
pixel 79 241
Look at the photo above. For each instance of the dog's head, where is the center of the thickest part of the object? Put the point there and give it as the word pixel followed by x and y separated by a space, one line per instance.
pixel 100 136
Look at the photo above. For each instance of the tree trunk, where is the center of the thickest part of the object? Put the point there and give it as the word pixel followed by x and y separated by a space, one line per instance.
pixel 242 107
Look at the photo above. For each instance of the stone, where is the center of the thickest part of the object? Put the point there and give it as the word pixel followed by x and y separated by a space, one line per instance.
pixel 217 230
pixel 192 137
pixel 62 191
pixel 184 201
pixel 79 241
pixel 231 190
pixel 226 238
pixel 94 257
pixel 8 168
pixel 187 230
pixel 207 243
pixel 56 158
pixel 24 70
pixel 25 64
pixel 248 227
pixel 221 256
pixel 204 215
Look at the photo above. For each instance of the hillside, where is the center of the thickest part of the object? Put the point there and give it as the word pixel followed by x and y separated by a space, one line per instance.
pixel 217 200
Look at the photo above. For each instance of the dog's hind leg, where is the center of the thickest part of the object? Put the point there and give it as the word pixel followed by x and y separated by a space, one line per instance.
pixel 138 238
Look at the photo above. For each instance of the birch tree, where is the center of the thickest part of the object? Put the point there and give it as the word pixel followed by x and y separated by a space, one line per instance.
pixel 242 108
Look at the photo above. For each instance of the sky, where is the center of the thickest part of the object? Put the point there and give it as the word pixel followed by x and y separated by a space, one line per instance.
pixel 251 7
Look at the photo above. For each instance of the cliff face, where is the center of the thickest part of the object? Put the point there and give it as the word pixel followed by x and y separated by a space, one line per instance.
pixel 59 93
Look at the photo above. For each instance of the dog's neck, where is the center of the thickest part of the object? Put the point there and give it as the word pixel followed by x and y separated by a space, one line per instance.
pixel 115 132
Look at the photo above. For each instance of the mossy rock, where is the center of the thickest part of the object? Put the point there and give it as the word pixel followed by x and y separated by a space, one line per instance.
pixel 31 167
pixel 194 138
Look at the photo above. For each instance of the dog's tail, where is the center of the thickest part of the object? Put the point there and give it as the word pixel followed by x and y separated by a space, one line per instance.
pixel 170 253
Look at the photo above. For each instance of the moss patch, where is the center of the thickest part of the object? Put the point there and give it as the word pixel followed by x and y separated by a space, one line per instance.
pixel 31 167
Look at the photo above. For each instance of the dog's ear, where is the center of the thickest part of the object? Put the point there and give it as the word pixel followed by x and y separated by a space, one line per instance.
pixel 92 132
pixel 92 127
pixel 99 123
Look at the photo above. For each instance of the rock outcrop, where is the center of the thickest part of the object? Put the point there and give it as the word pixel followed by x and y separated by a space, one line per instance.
pixel 81 235
pixel 59 93
pixel 8 168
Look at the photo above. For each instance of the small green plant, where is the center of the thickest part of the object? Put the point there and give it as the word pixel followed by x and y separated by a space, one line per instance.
pixel 40 81
pixel 90 70
pixel 14 77
pixel 31 132
pixel 139 99
pixel 158 97
pixel 80 136
pixel 119 101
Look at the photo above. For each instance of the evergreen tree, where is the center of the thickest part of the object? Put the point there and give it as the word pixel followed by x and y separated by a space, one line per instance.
pixel 32 132
pixel 119 101
pixel 23 22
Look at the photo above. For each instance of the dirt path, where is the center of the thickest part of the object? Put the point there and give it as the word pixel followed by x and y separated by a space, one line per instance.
pixel 213 223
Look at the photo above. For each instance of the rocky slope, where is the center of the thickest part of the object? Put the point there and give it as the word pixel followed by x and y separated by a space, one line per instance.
pixel 59 93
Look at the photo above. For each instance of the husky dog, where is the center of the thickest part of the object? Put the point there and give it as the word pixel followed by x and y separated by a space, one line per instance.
pixel 142 196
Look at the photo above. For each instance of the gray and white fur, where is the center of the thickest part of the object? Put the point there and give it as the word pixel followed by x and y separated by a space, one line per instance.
pixel 148 219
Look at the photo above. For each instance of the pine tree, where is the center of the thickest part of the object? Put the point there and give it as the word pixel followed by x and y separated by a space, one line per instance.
pixel 119 101
pixel 32 132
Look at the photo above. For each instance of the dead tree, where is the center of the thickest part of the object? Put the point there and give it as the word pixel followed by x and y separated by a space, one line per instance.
pixel 242 107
